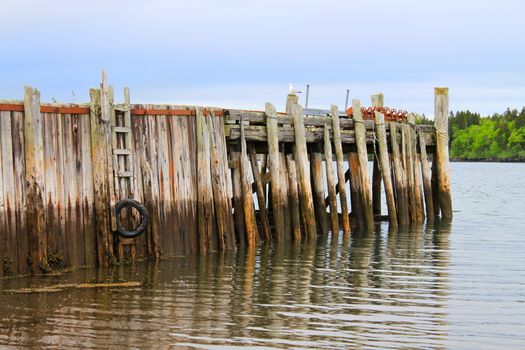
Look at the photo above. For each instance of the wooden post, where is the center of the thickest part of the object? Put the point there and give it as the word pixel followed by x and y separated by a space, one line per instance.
pixel 336 129
pixel 377 101
pixel 100 134
pixel 401 195
pixel 34 176
pixel 294 198
pixel 356 189
pixel 360 139
pixel 304 173
pixel 408 157
pixel 427 184
pixel 316 162
pixel 204 186
pixel 330 182
pixel 385 168
pixel 442 156
pixel 416 171
pixel 274 165
pixel 237 198
pixel 220 196
pixel 249 214
pixel 267 234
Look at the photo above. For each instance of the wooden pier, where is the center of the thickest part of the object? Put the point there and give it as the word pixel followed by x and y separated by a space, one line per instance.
pixel 211 179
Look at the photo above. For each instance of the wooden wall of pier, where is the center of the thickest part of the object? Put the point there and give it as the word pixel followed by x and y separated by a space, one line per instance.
pixel 211 179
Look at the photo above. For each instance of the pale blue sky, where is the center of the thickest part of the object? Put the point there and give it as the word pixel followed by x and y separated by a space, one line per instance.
pixel 244 53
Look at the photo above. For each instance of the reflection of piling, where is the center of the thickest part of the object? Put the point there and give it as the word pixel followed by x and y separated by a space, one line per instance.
pixel 198 171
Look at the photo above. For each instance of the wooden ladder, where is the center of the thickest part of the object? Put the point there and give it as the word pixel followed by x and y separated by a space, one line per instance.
pixel 122 150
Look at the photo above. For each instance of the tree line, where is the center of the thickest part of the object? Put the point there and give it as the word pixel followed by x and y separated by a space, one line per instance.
pixel 500 136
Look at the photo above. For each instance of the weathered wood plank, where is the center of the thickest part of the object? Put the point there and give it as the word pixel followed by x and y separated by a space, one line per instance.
pixel 339 157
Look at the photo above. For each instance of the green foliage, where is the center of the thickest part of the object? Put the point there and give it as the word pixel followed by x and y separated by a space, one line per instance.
pixel 497 137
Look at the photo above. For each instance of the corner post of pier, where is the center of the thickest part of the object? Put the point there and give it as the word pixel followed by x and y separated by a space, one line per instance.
pixel 442 153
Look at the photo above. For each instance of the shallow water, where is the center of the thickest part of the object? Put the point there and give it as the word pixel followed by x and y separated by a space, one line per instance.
pixel 458 286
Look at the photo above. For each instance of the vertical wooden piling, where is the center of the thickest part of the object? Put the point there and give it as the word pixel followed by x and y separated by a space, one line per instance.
pixel 247 198
pixel 360 139
pixel 293 201
pixel 336 129
pixel 316 162
pixel 401 194
pixel 274 166
pixel 442 154
pixel 385 167
pixel 237 197
pixel 356 190
pixel 34 176
pixel 408 167
pixel 260 190
pixel 220 196
pixel 415 170
pixel 377 101
pixel 427 184
pixel 304 173
pixel 330 182
pixel 204 184
pixel 9 260
pixel 100 133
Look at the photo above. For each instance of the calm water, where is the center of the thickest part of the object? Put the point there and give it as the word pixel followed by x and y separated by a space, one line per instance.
pixel 459 286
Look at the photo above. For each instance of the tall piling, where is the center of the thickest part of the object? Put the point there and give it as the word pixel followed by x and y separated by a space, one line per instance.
pixel 442 153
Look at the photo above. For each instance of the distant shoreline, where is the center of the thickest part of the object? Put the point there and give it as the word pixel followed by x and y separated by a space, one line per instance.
pixel 488 160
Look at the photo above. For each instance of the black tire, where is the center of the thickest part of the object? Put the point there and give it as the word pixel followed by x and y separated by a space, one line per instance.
pixel 144 217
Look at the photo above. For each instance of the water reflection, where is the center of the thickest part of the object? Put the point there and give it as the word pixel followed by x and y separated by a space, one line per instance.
pixel 386 289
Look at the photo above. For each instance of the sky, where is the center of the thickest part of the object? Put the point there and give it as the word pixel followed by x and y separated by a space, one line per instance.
pixel 241 54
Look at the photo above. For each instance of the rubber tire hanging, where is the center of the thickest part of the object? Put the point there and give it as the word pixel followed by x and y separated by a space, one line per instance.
pixel 144 218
